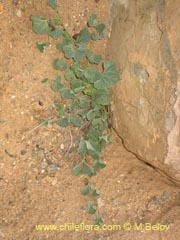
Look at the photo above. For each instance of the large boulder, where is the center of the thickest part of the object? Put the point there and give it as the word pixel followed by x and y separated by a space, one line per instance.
pixel 145 43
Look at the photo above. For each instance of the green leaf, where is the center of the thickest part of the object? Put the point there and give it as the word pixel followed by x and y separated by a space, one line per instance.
pixel 79 54
pixel 92 20
pixel 109 77
pixel 94 154
pixel 84 102
pixel 98 221
pixel 57 86
pixel 93 59
pixel 94 133
pixel 103 126
pixel 77 85
pixel 72 107
pixel 77 170
pixel 41 46
pixel 92 114
pixel 76 121
pixel 56 21
pixel 57 78
pixel 60 109
pixel 56 33
pixel 91 209
pixel 85 191
pixel 96 145
pixel 92 75
pixel 76 69
pixel 69 75
pixel 52 3
pixel 84 37
pixel 45 80
pixel 83 112
pixel 99 164
pixel 91 150
pixel 82 147
pixel 102 97
pixel 95 36
pixel 68 51
pixel 89 146
pixel 63 122
pixel 100 28
pixel 40 25
pixel 96 121
pixel 97 59
pixel 59 64
pixel 66 42
pixel 60 46
pixel 44 122
pixel 67 93
pixel 87 170
pixel 95 193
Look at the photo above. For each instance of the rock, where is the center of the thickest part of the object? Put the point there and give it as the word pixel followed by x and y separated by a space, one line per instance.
pixel 52 169
pixel 18 13
pixel 100 202
pixel 44 164
pixel 23 152
pixel 145 43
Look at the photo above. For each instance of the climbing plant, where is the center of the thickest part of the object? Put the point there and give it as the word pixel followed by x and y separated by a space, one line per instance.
pixel 85 89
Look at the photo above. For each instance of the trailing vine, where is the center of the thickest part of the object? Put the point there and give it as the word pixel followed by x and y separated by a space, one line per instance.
pixel 85 90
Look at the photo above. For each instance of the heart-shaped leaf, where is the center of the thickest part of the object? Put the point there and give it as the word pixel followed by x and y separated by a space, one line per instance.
pixel 109 77
pixel 40 25
pixel 52 3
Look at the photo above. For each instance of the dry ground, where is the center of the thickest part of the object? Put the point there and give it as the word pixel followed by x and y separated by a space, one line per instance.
pixel 29 194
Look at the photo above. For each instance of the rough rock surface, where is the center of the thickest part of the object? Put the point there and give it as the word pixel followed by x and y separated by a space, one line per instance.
pixel 145 43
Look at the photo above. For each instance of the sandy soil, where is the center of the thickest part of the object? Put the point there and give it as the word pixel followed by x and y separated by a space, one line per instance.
pixel 36 182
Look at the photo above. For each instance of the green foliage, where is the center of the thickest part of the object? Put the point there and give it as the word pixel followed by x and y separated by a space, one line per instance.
pixel 41 46
pixel 40 25
pixel 59 64
pixel 98 220
pixel 85 90
pixel 52 3
pixel 92 207
pixel 63 122
pixel 84 37
pixel 92 21
pixel 56 33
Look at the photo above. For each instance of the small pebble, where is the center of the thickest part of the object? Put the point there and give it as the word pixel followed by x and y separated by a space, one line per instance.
pixel 62 146
pixel 40 103
pixel 54 182
pixel 18 13
pixel 44 164
pixel 100 202
pixel 40 153
pixel 23 152
pixel 52 168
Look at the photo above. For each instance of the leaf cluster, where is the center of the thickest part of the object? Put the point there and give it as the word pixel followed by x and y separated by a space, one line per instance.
pixel 84 88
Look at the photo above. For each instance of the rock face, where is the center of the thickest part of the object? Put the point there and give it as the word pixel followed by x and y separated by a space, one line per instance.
pixel 145 43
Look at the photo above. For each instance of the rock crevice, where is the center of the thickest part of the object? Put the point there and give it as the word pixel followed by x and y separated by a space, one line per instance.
pixel 145 43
